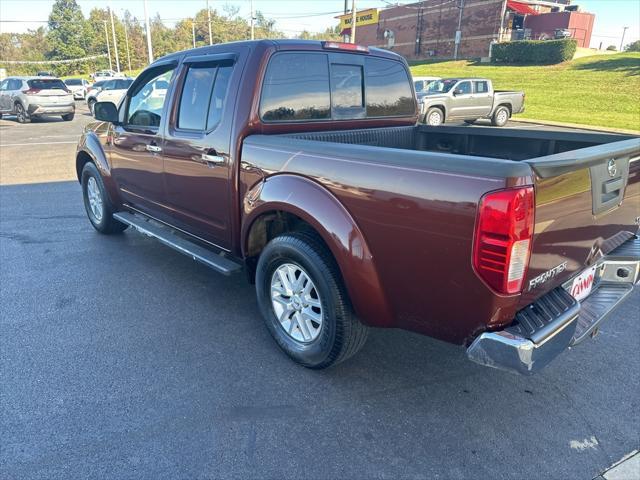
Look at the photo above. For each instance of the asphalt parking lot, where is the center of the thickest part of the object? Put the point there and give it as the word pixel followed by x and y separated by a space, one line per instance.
pixel 120 358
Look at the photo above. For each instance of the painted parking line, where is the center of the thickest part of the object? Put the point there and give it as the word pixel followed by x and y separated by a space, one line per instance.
pixel 35 143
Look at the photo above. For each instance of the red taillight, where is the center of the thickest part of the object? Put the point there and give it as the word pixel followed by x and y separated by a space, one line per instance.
pixel 31 91
pixel 345 46
pixel 503 238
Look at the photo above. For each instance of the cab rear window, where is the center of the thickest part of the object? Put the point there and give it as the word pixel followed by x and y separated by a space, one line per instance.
pixel 52 84
pixel 310 86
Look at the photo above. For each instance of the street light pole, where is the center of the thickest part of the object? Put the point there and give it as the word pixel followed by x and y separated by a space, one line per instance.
pixel 193 32
pixel 126 42
pixel 148 28
pixel 115 44
pixel 458 32
pixel 624 30
pixel 106 36
pixel 209 22
pixel 354 16
pixel 252 32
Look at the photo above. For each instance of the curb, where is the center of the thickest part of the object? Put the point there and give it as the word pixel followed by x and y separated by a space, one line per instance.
pixel 576 125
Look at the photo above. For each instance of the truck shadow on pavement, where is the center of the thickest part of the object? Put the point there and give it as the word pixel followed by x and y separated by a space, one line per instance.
pixel 123 348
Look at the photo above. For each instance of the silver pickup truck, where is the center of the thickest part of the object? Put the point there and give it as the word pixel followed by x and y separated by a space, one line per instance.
pixel 468 99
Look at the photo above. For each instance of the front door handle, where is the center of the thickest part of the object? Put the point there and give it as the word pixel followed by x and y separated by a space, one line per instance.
pixel 153 148
pixel 212 159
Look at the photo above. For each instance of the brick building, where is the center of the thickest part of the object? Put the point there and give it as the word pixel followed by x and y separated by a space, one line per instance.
pixel 429 29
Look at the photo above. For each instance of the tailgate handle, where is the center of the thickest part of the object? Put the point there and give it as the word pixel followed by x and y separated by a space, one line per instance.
pixel 613 185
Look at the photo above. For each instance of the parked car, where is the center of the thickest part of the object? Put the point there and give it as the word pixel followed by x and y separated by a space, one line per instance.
pixel 301 163
pixel 45 74
pixel 32 97
pixel 92 93
pixel 104 75
pixel 468 99
pixel 110 91
pixel 78 86
pixel 421 85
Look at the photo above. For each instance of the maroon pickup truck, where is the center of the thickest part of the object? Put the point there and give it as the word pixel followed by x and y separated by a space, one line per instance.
pixel 302 164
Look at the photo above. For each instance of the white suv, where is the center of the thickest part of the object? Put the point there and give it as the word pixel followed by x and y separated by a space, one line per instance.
pixel 31 97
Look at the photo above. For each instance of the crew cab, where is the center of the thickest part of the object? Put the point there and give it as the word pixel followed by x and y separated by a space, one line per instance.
pixel 468 99
pixel 302 165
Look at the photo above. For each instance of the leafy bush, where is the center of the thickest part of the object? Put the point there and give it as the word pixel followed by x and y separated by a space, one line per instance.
pixel 633 47
pixel 534 52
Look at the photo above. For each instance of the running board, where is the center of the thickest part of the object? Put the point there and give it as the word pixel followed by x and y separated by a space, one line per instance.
pixel 170 238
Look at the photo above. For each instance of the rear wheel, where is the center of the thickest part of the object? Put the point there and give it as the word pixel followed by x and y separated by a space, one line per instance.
pixel 500 117
pixel 96 202
pixel 304 302
pixel 21 115
pixel 434 117
pixel 68 117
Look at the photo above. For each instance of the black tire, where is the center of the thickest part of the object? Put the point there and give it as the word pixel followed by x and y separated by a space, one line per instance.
pixel 432 114
pixel 500 116
pixel 106 223
pixel 91 103
pixel 21 114
pixel 471 122
pixel 341 334
pixel 68 117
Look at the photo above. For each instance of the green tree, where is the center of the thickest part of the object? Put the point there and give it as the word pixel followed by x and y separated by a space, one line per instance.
pixel 67 31
pixel 633 47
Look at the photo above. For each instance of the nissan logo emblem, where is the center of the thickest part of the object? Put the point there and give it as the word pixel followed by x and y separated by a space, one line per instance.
pixel 612 168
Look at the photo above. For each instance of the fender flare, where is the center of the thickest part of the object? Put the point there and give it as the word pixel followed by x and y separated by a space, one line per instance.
pixel 323 211
pixel 90 145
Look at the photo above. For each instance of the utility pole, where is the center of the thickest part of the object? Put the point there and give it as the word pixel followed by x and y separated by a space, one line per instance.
pixel 354 16
pixel 193 32
pixel 252 28
pixel 106 36
pixel 126 42
pixel 624 30
pixel 148 27
pixel 209 22
pixel 459 31
pixel 115 44
pixel 345 37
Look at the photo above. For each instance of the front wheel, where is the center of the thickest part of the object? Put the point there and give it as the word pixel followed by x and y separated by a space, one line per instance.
pixel 68 117
pixel 96 202
pixel 434 117
pixel 500 117
pixel 304 302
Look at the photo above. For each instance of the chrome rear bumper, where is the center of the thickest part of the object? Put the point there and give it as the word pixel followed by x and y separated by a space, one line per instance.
pixel 557 321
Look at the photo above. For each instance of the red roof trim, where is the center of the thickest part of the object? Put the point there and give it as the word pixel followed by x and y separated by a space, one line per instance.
pixel 521 8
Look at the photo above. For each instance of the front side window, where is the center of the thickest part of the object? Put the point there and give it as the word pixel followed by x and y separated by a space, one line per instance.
pixel 110 85
pixel 388 89
pixel 419 85
pixel 123 84
pixel 147 101
pixel 463 88
pixel 296 87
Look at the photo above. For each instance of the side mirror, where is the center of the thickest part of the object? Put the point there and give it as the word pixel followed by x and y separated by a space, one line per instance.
pixel 106 111
pixel 457 91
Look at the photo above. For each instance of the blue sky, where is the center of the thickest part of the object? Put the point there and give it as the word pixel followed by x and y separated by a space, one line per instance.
pixel 292 16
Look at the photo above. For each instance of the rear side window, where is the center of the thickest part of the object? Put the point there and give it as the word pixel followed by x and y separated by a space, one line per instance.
pixel 481 87
pixel 388 89
pixel 53 84
pixel 296 87
pixel 73 81
pixel 123 84
pixel 203 97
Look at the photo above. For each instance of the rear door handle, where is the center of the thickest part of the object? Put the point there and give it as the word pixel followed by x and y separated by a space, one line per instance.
pixel 153 148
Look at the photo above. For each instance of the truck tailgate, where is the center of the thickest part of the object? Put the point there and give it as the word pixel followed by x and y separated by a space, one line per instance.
pixel 587 204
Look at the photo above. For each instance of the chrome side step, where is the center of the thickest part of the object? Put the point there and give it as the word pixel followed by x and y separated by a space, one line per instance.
pixel 170 238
